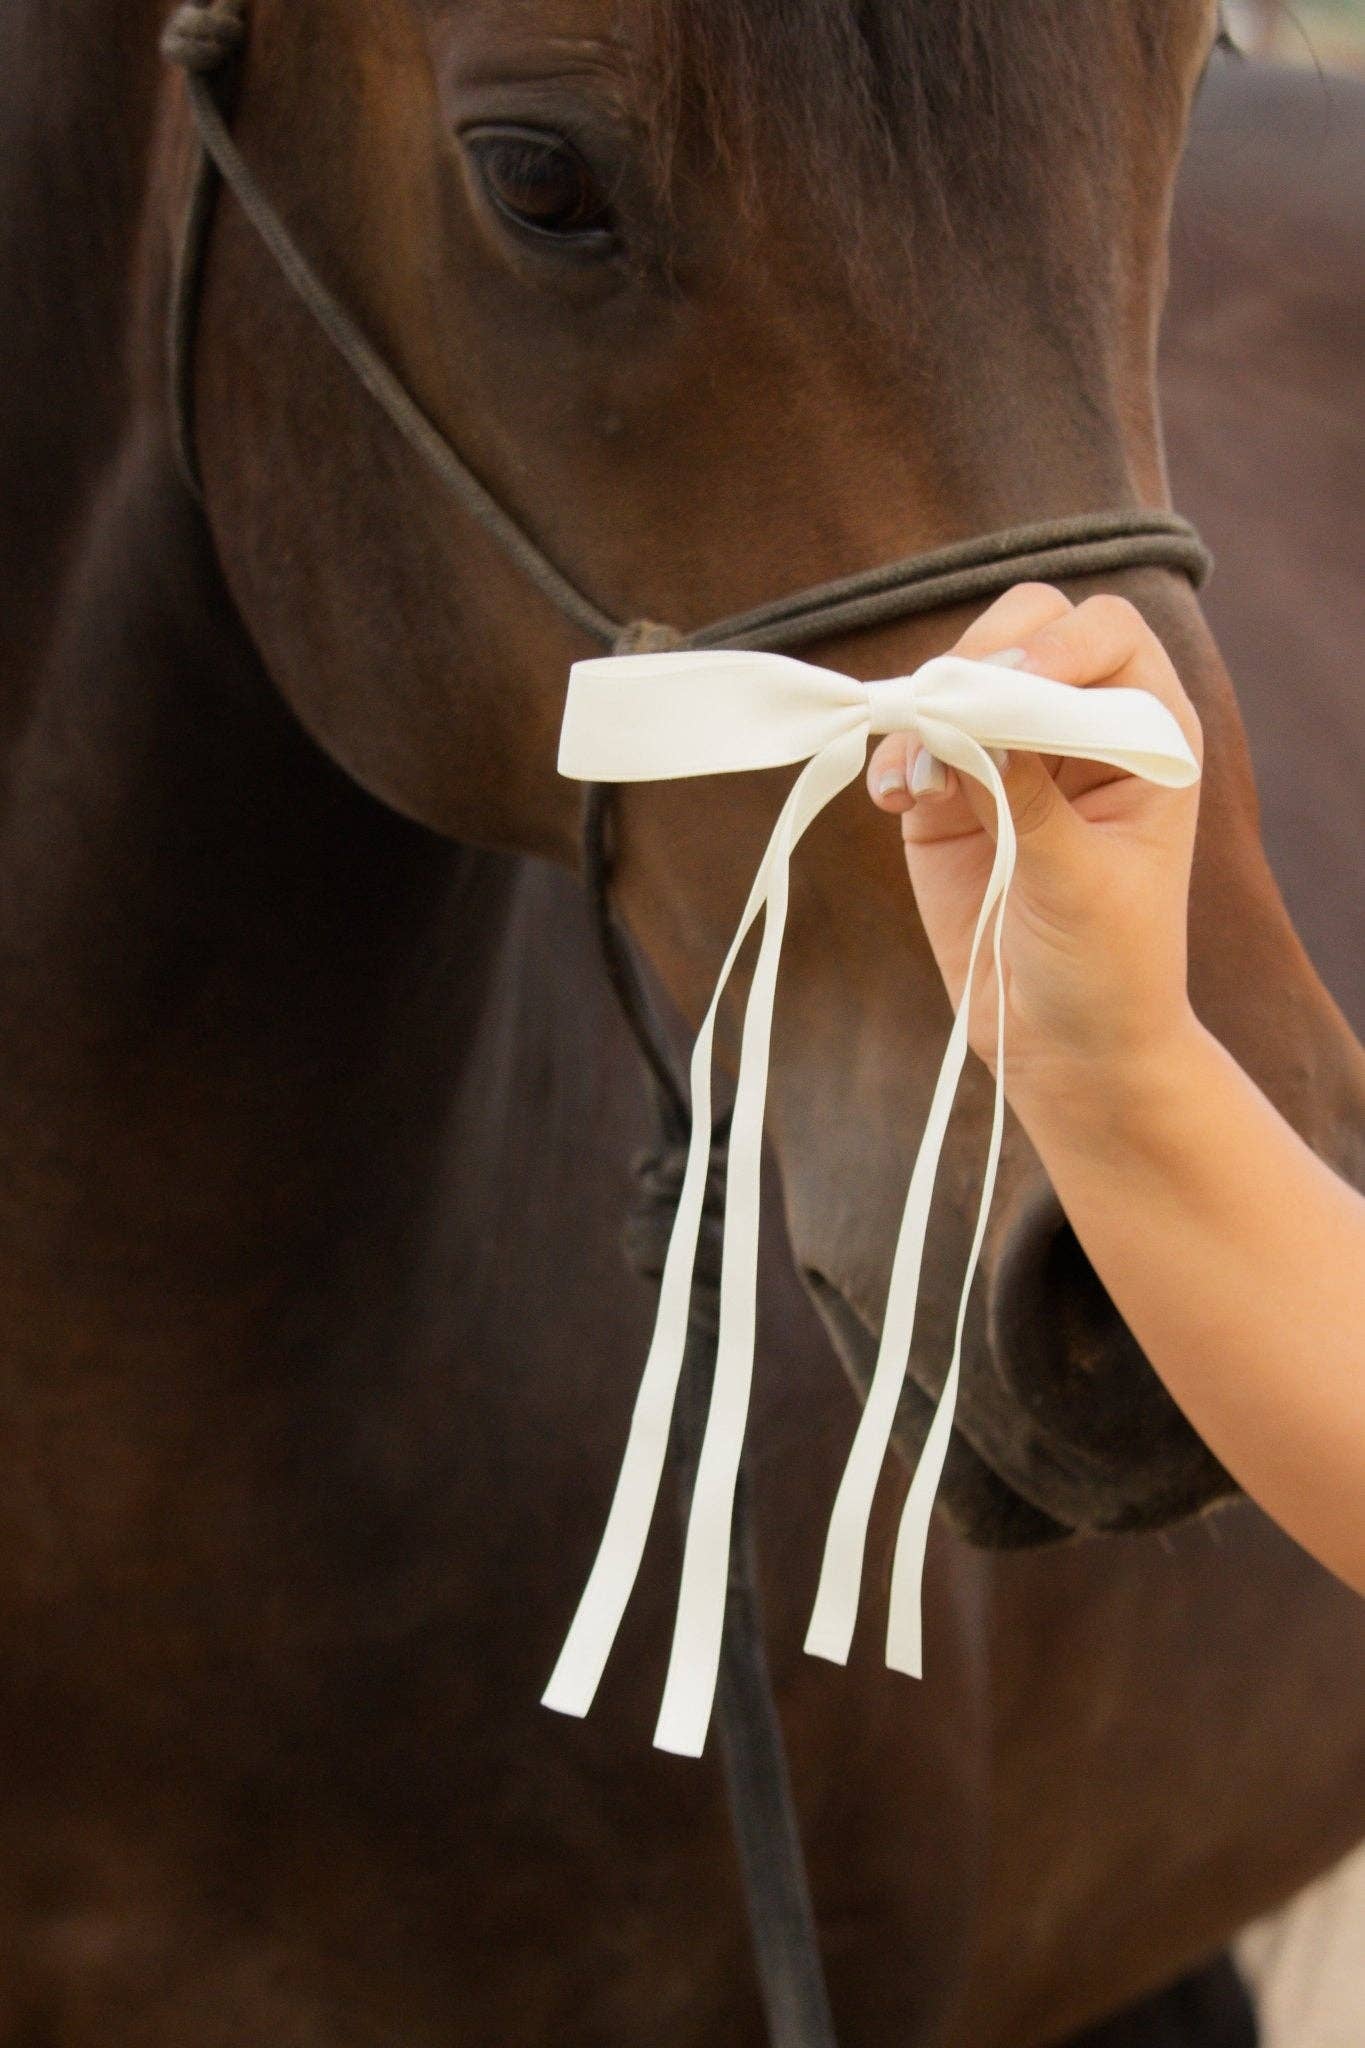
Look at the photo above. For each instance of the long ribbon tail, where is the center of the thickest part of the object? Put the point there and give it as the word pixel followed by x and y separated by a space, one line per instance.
pixel 905 1620
pixel 689 1690
pixel 767 709
pixel 578 1670
pixel 836 1603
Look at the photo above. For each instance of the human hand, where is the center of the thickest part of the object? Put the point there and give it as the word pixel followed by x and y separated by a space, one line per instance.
pixel 1094 937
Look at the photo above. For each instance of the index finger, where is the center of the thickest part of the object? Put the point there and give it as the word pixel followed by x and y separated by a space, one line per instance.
pixel 1014 617
pixel 1106 640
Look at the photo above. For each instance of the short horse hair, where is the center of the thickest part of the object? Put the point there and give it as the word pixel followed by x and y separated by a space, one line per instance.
pixel 930 94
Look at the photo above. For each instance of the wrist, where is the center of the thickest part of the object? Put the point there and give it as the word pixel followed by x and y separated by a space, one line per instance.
pixel 1093 1102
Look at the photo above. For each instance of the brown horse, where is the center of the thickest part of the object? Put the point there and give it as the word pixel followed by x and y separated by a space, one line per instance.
pixel 316 1120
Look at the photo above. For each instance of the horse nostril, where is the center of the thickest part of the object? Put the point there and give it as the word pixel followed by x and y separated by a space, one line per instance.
pixel 1069 1360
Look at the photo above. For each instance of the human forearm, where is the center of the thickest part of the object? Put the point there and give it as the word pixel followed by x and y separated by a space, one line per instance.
pixel 1235 1256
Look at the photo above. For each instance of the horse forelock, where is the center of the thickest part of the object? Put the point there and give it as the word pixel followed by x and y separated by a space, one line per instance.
pixel 938 109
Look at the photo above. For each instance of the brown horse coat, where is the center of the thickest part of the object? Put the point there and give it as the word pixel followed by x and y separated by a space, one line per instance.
pixel 315 1130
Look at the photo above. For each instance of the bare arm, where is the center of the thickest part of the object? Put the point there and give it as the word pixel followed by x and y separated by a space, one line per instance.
pixel 1237 1259
pixel 1235 1256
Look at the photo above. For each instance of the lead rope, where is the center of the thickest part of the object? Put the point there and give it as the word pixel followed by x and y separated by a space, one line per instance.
pixel 786 1943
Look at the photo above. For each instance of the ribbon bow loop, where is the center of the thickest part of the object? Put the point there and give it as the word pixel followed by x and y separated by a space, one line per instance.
pixel 648 717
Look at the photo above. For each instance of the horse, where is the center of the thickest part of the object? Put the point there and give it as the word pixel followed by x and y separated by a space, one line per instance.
pixel 317 1119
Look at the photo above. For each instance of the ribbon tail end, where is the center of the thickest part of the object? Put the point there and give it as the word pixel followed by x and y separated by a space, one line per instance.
pixel 905 1657
pixel 679 1735
pixel 562 1697
pixel 828 1640
pixel 905 1632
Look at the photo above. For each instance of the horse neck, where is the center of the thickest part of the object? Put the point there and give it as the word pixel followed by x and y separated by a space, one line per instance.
pixel 78 88
pixel 237 992
pixel 236 995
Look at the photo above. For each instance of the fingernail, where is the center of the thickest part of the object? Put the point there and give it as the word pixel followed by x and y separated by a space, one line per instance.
pixel 1009 657
pixel 891 783
pixel 928 777
pixel 1000 756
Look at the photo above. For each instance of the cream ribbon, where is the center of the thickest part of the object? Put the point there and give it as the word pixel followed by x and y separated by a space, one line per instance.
pixel 652 717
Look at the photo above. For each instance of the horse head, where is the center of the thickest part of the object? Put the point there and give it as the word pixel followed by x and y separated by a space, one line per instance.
pixel 718 303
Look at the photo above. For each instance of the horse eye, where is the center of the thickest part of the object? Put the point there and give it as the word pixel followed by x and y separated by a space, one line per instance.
pixel 541 184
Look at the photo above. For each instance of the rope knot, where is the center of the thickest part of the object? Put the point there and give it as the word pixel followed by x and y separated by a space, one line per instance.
pixel 203 36
pixel 646 636
pixel 654 1211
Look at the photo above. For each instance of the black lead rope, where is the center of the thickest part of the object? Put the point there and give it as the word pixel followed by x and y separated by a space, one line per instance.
pixel 777 1895
pixel 207 40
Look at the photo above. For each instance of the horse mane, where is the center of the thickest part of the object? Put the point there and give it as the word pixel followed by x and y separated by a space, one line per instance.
pixel 922 97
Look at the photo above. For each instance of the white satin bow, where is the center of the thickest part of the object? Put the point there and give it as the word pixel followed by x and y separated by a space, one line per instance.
pixel 649 717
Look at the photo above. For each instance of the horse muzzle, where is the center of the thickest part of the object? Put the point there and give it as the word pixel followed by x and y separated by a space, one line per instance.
pixel 1119 1453
pixel 1062 1426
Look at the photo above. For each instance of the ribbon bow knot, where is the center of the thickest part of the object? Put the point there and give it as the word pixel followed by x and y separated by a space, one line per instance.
pixel 893 705
pixel 655 717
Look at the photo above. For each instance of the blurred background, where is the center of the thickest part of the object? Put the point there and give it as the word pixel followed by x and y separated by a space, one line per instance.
pixel 1301 31
pixel 1307 1963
